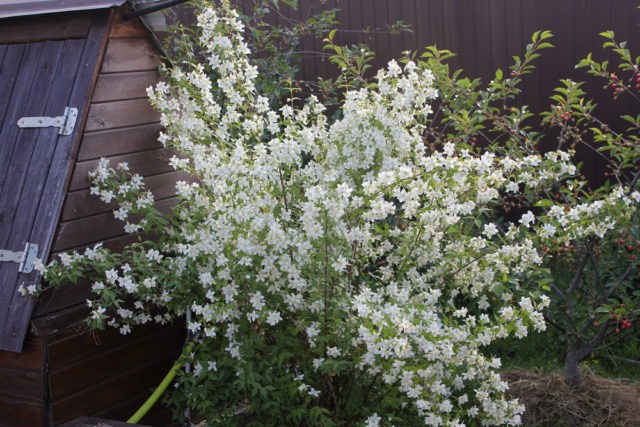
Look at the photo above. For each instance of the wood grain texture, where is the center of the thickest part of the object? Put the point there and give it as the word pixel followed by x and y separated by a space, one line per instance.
pixel 129 28
pixel 117 114
pixel 73 77
pixel 145 163
pixel 130 54
pixel 123 383
pixel 96 228
pixel 120 86
pixel 78 376
pixel 45 27
pixel 81 203
pixel 58 312
pixel 113 142
pixel 82 343
pixel 22 412
pixel 26 169
pixel 22 383
pixel 31 357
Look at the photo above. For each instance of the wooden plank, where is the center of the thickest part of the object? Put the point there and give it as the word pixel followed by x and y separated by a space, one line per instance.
pixel 22 383
pixel 129 28
pixel 79 376
pixel 113 142
pixel 83 343
pixel 81 203
pixel 31 29
pixel 130 54
pixel 11 63
pixel 145 163
pixel 115 87
pixel 60 310
pixel 117 114
pixel 31 357
pixel 123 384
pixel 94 421
pixel 95 228
pixel 27 85
pixel 74 346
pixel 22 412
pixel 24 179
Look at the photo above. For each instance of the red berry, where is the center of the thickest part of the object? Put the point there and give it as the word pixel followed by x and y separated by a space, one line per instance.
pixel 621 241
pixel 629 248
pixel 632 258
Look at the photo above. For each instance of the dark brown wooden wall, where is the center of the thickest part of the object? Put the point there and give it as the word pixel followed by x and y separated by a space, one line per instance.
pixel 122 127
pixel 23 385
pixel 60 378
pixel 111 379
pixel 65 371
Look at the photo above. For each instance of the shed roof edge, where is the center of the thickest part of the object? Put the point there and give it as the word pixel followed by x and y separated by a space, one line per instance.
pixel 16 8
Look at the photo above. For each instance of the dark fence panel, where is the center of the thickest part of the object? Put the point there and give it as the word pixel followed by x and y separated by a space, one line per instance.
pixel 485 34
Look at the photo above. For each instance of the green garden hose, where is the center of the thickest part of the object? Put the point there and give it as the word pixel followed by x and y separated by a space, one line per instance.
pixel 148 404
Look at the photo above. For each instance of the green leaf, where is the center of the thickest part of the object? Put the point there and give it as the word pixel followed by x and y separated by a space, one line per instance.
pixel 544 203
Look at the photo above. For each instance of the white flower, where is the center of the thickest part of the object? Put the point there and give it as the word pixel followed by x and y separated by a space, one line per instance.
pixel 373 420
pixel 273 318
pixel 490 230
pixel 527 219
pixel 333 352
pixel 257 301
pixel 548 230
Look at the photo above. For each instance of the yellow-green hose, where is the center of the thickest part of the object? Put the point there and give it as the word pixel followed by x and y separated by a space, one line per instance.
pixel 148 404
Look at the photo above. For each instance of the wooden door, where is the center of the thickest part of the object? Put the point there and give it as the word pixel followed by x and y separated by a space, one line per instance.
pixel 37 79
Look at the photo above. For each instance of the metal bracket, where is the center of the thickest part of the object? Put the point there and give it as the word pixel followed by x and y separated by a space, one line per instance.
pixel 66 122
pixel 24 258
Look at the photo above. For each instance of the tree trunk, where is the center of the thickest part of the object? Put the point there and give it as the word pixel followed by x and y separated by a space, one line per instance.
pixel 572 367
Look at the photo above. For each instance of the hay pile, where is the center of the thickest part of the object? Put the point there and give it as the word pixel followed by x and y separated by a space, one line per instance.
pixel 551 402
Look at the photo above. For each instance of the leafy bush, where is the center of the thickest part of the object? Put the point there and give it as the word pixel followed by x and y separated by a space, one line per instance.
pixel 591 277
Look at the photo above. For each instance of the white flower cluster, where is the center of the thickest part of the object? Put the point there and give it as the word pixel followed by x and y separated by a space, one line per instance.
pixel 292 221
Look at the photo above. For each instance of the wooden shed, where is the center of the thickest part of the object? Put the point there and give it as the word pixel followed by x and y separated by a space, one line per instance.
pixel 73 79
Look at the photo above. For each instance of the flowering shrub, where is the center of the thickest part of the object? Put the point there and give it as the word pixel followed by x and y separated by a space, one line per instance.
pixel 591 273
pixel 331 273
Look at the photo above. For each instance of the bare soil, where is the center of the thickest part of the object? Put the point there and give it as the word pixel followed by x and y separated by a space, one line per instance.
pixel 597 402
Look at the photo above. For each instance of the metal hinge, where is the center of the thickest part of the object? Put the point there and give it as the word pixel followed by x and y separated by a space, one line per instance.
pixel 66 122
pixel 24 258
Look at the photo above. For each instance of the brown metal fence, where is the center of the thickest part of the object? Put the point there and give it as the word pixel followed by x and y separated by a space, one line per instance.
pixel 485 34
